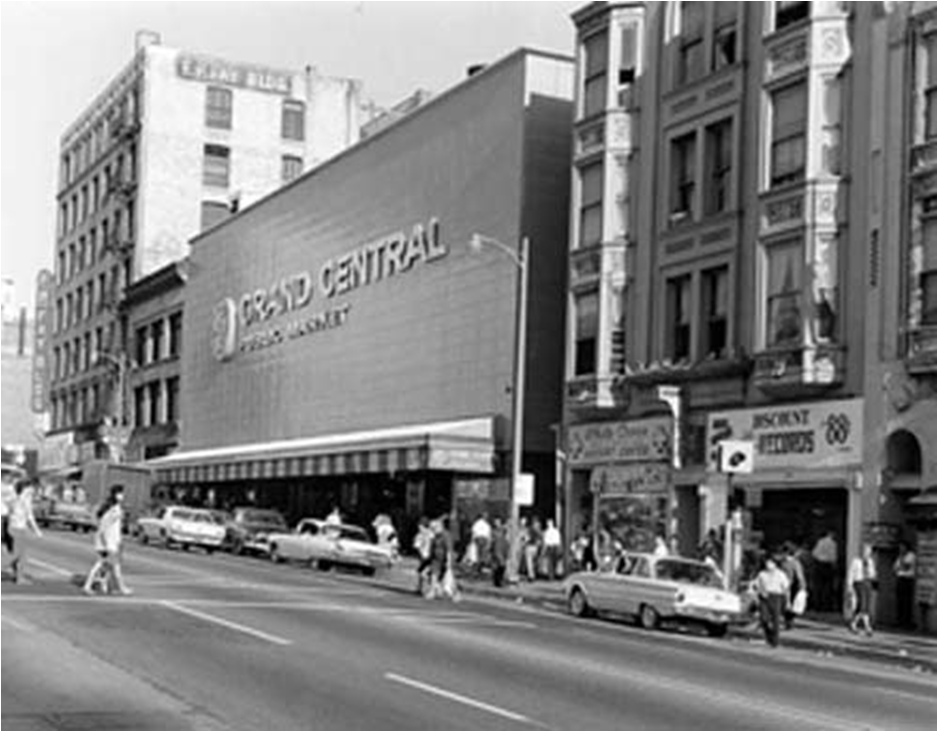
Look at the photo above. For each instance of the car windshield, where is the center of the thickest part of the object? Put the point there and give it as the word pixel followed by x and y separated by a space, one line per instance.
pixel 267 518
pixel 689 572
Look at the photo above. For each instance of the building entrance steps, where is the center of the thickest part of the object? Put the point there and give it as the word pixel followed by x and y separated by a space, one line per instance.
pixel 826 633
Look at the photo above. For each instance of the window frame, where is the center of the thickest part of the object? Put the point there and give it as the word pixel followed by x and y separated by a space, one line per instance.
pixel 286 163
pixel 212 172
pixel 792 134
pixel 591 206
pixel 585 362
pixel 718 172
pixel 683 171
pixel 678 316
pixel 797 295
pixel 595 75
pixel 293 120
pixel 710 310
pixel 219 116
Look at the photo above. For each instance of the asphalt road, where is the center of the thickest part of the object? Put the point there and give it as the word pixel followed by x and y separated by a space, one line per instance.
pixel 228 642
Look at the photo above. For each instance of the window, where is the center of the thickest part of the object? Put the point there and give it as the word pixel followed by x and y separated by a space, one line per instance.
pixel 216 166
pixel 72 261
pixel 66 359
pixel 591 205
pixel 140 410
pixel 156 407
pixel 677 316
pixel 783 288
pixel 213 213
pixel 172 399
pixel 92 246
pixel 218 107
pixel 62 267
pixel 724 35
pixel 140 346
pixel 683 153
pixel 927 278
pixel 930 112
pixel 82 253
pixel 789 119
pixel 95 194
pixel 628 54
pixel 175 335
pixel 719 166
pixel 690 60
pixel 156 330
pixel 715 283
pixel 102 290
pixel 830 135
pixel 89 297
pixel 788 13
pixel 86 341
pixel 56 363
pixel 587 333
pixel 290 167
pixel 596 52
pixel 293 121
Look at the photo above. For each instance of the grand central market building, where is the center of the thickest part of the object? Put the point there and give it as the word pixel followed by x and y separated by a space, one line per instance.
pixel 347 347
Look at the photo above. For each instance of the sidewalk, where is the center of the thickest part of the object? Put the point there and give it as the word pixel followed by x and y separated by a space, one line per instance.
pixel 818 634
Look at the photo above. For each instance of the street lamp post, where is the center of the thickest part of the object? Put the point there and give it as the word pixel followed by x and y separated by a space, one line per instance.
pixel 520 260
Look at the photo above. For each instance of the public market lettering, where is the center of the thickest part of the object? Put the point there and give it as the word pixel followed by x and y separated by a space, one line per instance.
pixel 325 320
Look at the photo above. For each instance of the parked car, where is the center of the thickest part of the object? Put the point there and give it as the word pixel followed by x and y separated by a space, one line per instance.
pixel 248 529
pixel 653 589
pixel 181 526
pixel 326 545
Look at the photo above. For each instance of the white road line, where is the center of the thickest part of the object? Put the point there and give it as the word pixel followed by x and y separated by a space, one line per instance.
pixel 458 698
pixel 227 624
pixel 20 625
pixel 51 567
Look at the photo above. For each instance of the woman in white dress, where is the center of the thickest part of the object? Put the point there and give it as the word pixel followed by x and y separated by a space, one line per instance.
pixel 107 543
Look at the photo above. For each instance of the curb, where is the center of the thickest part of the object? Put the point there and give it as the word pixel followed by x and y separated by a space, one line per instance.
pixel 929 665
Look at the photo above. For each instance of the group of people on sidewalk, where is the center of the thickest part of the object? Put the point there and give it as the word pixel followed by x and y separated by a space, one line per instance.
pixel 20 525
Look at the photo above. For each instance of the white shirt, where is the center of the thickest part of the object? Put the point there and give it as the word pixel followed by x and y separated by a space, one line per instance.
pixel 825 550
pixel 862 569
pixel 481 529
pixel 551 536
pixel 108 536
pixel 772 582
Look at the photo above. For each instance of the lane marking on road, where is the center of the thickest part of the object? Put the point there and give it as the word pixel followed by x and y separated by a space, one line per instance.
pixel 453 696
pixel 20 625
pixel 51 567
pixel 227 623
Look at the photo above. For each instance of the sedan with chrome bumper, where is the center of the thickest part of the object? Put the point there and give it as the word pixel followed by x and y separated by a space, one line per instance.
pixel 655 589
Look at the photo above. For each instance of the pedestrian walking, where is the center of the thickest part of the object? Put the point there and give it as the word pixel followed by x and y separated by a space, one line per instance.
pixel 797 586
pixel 517 535
pixel 481 541
pixel 501 548
pixel 824 555
pixel 422 542
pixel 532 549
pixel 22 522
pixel 904 569
pixel 772 590
pixel 7 499
pixel 386 533
pixel 661 547
pixel 862 579
pixel 441 558
pixel 552 545
pixel 335 517
pixel 108 543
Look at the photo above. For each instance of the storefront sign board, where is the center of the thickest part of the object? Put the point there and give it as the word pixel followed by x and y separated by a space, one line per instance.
pixel 611 480
pixel 813 435
pixel 641 440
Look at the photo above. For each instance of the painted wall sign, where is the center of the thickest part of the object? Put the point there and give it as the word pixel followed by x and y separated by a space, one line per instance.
pixel 39 400
pixel 216 71
pixel 641 440
pixel 825 434
pixel 240 326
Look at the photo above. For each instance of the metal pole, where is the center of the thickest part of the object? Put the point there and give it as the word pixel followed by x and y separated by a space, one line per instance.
pixel 517 443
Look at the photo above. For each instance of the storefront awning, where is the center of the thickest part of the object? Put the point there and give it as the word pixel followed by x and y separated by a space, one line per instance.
pixel 464 446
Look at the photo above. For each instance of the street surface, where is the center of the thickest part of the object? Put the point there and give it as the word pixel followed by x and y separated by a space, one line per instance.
pixel 222 642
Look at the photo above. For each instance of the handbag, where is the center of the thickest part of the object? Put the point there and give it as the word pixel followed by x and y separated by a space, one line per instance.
pixel 800 603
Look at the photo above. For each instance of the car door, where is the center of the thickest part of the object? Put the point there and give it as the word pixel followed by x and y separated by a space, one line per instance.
pixel 352 546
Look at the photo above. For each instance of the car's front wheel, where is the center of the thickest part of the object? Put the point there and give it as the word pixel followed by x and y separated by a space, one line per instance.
pixel 717 630
pixel 648 617
pixel 275 555
pixel 578 603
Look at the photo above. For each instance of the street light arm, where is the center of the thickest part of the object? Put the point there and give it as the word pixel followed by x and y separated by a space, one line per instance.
pixel 479 240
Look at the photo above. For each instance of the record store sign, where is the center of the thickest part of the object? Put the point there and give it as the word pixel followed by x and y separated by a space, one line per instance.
pixel 640 440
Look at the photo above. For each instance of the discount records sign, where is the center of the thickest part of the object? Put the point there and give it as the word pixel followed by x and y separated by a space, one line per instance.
pixel 826 434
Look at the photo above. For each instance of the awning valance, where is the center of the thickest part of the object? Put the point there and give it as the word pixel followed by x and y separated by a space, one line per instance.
pixel 465 446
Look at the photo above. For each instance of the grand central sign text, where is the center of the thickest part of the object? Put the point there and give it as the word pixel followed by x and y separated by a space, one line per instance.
pixel 241 325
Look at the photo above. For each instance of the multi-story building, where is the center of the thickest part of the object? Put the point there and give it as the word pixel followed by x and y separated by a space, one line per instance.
pixel 722 257
pixel 154 308
pixel 170 147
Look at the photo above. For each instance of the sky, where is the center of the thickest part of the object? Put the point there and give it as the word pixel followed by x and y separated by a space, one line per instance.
pixel 55 57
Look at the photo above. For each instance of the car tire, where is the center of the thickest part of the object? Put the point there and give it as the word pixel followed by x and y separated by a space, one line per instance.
pixel 144 539
pixel 368 571
pixel 209 550
pixel 717 630
pixel 275 555
pixel 648 617
pixel 578 604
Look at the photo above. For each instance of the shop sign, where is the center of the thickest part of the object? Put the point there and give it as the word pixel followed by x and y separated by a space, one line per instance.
pixel 465 459
pixel 252 322
pixel 620 480
pixel 925 569
pixel 881 535
pixel 641 440
pixel 812 435
pixel 40 373
pixel 216 71
pixel 482 489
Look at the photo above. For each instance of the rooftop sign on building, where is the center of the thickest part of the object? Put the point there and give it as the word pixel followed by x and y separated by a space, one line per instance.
pixel 217 71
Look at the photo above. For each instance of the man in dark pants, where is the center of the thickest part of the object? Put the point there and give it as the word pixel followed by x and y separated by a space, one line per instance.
pixel 500 551
pixel 904 569
pixel 772 588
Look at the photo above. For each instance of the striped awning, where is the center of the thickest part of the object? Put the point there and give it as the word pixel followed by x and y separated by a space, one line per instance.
pixel 465 446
